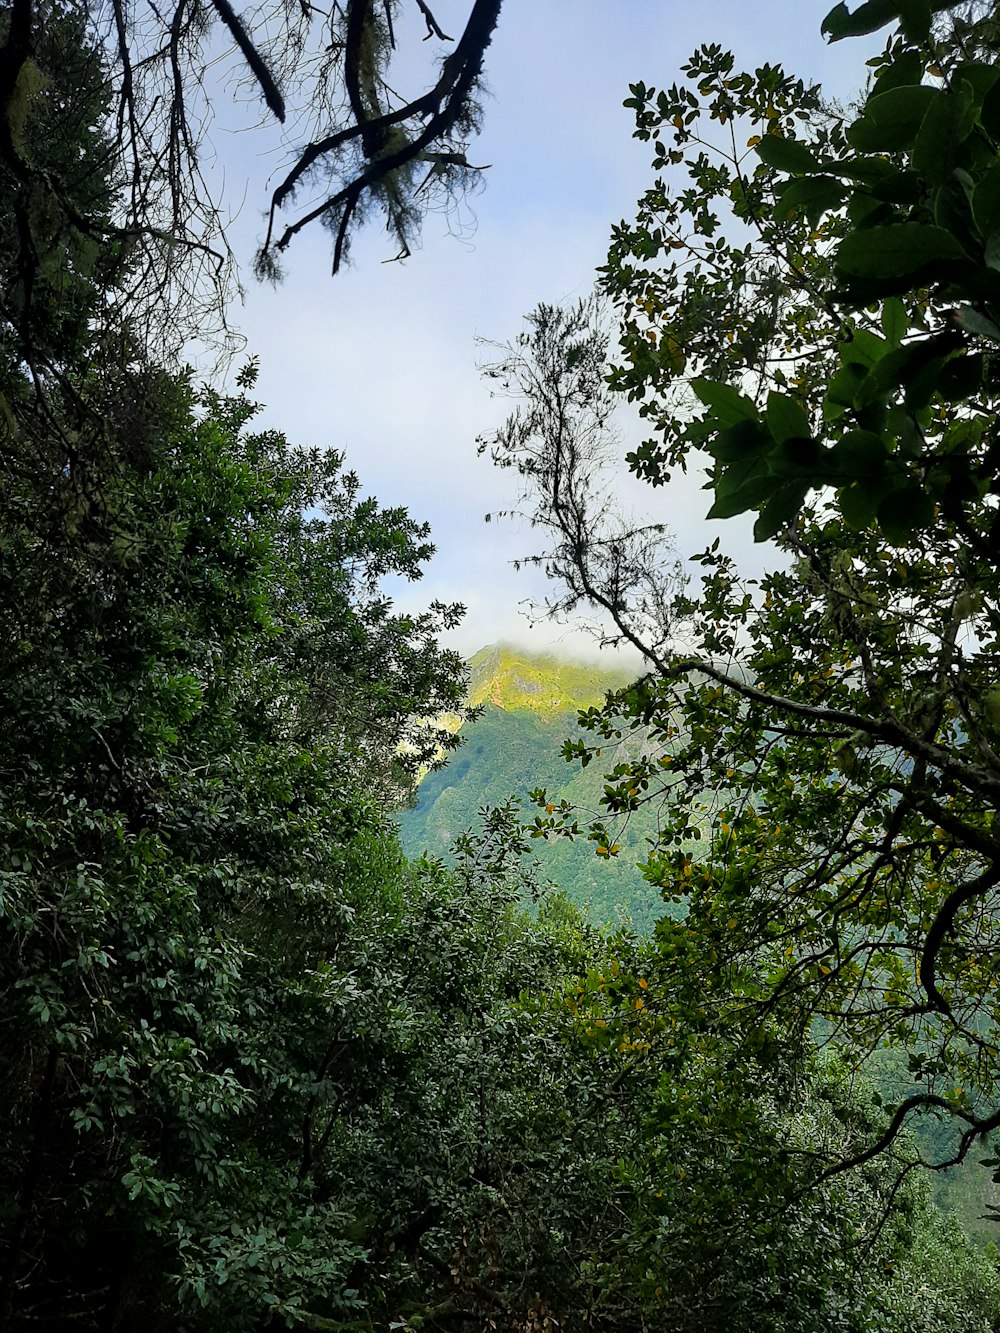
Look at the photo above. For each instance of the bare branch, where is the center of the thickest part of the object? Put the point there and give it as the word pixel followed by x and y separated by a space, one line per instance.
pixel 252 56
pixel 433 28
pixel 445 104
pixel 977 1126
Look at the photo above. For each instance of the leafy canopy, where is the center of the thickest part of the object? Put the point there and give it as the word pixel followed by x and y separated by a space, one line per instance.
pixel 813 311
pixel 863 323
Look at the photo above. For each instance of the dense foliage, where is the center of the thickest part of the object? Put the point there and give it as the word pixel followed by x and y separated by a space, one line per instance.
pixel 258 1072
pixel 190 820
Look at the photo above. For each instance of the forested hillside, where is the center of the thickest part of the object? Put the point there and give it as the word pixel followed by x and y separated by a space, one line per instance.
pixel 529 709
pixel 261 1071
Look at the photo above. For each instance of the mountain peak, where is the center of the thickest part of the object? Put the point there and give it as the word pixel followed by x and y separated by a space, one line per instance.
pixel 512 679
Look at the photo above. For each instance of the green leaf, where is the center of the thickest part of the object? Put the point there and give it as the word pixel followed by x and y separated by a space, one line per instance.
pixel 976 322
pixel 986 202
pixel 875 14
pixel 795 457
pixel 789 155
pixel 860 454
pixel 868 171
pixel 864 348
pixel 908 67
pixel 952 207
pixel 894 320
pixel 945 127
pixel 922 383
pixel 859 503
pixel 786 418
pixel 738 442
pixel 905 512
pixel 779 510
pixel 897 367
pixel 896 257
pixel 914 19
pixel 725 404
pixel 841 390
pixel 960 378
pixel 734 496
pixel 816 195
pixel 902 187
pixel 841 23
pixel 989 112
pixel 978 76
pixel 891 120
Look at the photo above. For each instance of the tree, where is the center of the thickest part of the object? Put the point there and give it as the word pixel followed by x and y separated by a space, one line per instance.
pixel 191 820
pixel 559 440
pixel 822 744
pixel 723 1230
pixel 331 76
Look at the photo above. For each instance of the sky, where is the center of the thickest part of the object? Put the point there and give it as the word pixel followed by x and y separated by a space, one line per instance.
pixel 382 362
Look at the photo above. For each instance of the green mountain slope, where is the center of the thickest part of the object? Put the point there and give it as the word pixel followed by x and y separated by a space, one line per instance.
pixel 529 709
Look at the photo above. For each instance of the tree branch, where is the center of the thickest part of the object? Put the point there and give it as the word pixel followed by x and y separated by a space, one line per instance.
pixel 942 925
pixel 890 731
pixel 976 1127
pixel 458 76
pixel 252 56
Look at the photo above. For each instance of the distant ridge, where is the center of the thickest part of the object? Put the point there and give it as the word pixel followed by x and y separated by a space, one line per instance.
pixel 529 705
pixel 511 678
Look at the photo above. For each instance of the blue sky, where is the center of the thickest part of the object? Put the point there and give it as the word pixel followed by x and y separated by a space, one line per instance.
pixel 381 362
